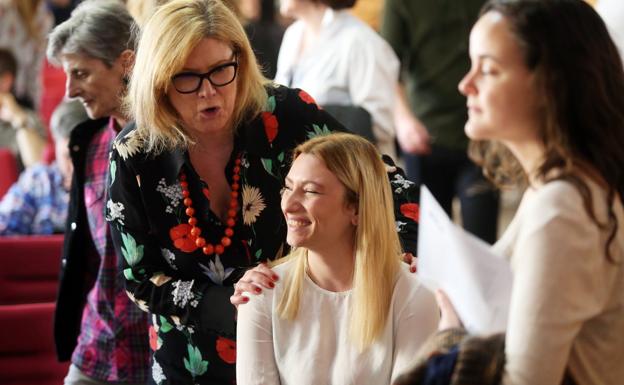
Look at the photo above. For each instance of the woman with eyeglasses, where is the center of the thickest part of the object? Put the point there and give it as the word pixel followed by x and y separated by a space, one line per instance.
pixel 195 185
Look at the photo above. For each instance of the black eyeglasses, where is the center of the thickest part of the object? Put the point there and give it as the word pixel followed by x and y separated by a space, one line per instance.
pixel 221 75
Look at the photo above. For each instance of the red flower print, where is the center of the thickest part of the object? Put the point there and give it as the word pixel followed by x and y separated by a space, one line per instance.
pixel 182 238
pixel 270 125
pixel 226 349
pixel 153 338
pixel 306 97
pixel 411 210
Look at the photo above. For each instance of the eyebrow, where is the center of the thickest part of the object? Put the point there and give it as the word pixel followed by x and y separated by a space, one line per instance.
pixel 217 64
pixel 490 57
pixel 304 182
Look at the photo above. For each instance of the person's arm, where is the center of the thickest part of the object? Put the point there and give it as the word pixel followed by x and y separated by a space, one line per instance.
pixel 412 134
pixel 29 133
pixel 559 283
pixel 255 356
pixel 150 282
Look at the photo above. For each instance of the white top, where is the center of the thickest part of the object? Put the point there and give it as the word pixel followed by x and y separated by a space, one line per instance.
pixel 612 12
pixel 350 65
pixel 567 303
pixel 315 348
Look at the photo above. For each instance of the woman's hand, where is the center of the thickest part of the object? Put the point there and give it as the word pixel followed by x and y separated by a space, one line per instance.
pixel 448 316
pixel 252 282
pixel 410 260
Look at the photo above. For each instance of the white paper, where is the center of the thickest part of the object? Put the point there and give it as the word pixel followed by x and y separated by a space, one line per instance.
pixel 477 281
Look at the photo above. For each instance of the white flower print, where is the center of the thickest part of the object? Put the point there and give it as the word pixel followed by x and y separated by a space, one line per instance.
pixel 114 211
pixel 399 181
pixel 244 161
pixel 169 257
pixel 400 225
pixel 216 272
pixel 182 293
pixel 253 204
pixel 157 373
pixel 139 302
pixel 128 145
pixel 173 194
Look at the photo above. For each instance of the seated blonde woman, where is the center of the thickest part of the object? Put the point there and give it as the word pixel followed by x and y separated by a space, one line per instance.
pixel 346 310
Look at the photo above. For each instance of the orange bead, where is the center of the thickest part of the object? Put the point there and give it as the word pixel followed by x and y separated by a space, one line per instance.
pixel 235 186
pixel 235 177
pixel 237 161
pixel 190 211
pixel 219 249
pixel 188 202
pixel 234 194
pixel 225 241
pixel 230 222
pixel 192 221
pixel 196 231
pixel 208 249
pixel 233 204
pixel 229 232
pixel 200 242
pixel 184 184
pixel 236 169
pixel 185 193
pixel 182 177
pixel 231 213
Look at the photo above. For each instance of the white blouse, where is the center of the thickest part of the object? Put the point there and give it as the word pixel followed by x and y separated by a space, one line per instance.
pixel 349 65
pixel 315 348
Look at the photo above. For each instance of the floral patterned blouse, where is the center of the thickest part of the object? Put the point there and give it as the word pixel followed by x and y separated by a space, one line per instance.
pixel 187 292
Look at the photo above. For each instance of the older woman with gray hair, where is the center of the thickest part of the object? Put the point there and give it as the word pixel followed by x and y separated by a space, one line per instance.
pixel 96 324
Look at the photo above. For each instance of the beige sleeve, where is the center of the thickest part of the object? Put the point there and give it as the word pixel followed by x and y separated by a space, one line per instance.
pixel 557 285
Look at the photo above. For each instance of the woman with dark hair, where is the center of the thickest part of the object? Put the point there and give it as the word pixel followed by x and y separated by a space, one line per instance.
pixel 340 61
pixel 546 106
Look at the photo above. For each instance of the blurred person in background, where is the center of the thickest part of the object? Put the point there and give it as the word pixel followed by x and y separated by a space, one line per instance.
pixel 37 203
pixel 24 25
pixel 21 130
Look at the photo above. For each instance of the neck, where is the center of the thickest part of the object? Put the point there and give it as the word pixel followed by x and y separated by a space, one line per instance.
pixel 217 145
pixel 332 269
pixel 312 18
pixel 121 121
pixel 530 154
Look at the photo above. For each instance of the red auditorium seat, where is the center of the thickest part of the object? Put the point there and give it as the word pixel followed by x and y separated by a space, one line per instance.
pixel 8 170
pixel 27 350
pixel 29 268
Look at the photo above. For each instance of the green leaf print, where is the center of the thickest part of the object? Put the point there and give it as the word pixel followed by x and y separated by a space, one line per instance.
pixel 268 165
pixel 129 275
pixel 258 254
pixel 318 131
pixel 280 157
pixel 165 326
pixel 132 252
pixel 113 171
pixel 271 104
pixel 195 365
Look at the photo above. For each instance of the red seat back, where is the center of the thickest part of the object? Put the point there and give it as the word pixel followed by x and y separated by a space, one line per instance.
pixel 8 170
pixel 29 268
pixel 27 354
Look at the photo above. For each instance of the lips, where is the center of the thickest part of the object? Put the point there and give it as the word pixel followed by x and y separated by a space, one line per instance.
pixel 209 112
pixel 297 223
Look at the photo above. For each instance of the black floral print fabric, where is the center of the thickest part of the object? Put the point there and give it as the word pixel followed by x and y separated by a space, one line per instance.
pixel 185 291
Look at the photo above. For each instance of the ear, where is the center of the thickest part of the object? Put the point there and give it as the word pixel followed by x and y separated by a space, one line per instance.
pixel 354 214
pixel 354 220
pixel 127 60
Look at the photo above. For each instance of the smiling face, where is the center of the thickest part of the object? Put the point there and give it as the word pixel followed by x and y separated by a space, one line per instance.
pixel 503 99
pixel 209 109
pixel 315 208
pixel 96 85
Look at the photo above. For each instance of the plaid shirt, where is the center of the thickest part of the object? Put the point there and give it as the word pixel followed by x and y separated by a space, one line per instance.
pixel 36 203
pixel 113 343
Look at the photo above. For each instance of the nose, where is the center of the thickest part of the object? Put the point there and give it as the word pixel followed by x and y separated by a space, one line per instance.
pixel 206 88
pixel 71 88
pixel 466 85
pixel 290 201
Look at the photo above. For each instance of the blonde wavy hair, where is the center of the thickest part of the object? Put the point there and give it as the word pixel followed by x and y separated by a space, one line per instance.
pixel 167 39
pixel 358 166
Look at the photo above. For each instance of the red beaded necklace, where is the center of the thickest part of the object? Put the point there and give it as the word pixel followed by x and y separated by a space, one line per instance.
pixel 209 248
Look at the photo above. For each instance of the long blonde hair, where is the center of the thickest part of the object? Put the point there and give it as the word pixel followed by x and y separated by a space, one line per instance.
pixel 166 42
pixel 358 166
